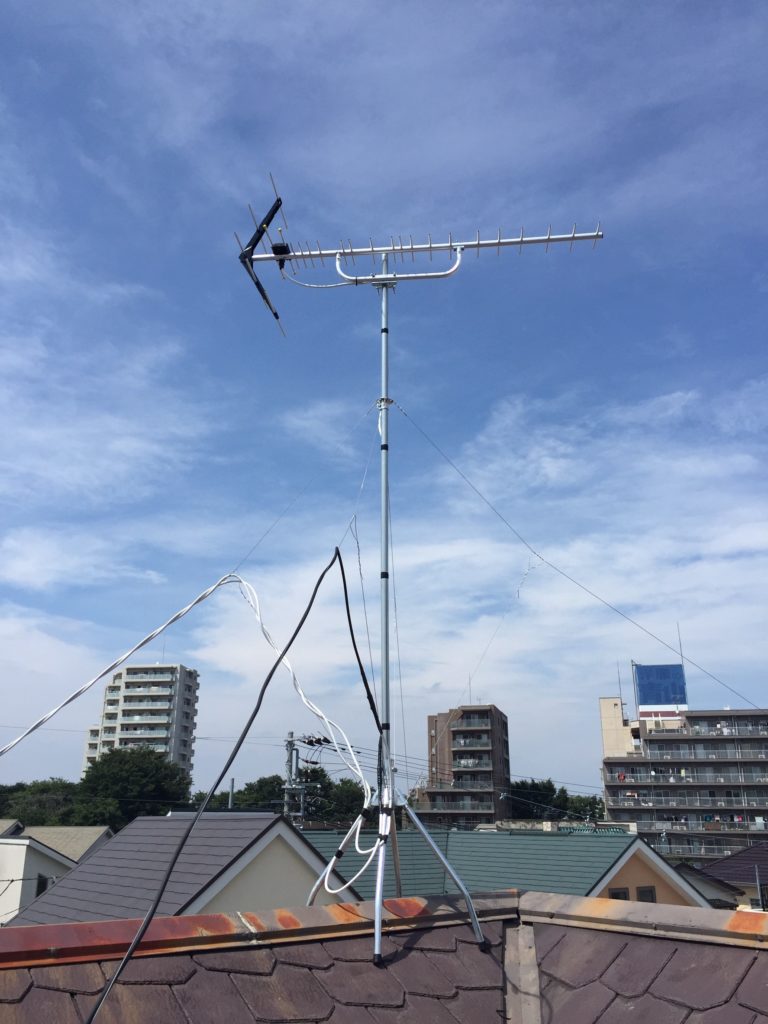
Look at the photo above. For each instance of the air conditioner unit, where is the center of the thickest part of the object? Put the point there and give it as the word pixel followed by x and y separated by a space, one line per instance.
pixel 720 779
pixel 713 757
pixel 667 757
pixel 761 756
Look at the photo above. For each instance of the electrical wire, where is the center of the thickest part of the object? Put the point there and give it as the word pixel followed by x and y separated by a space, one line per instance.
pixel 397 643
pixel 281 660
pixel 229 578
pixel 301 493
pixel 353 530
pixel 562 572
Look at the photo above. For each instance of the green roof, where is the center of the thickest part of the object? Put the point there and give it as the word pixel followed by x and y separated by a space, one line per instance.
pixel 562 862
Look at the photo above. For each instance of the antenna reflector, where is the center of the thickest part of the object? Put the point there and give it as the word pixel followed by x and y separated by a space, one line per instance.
pixel 274 189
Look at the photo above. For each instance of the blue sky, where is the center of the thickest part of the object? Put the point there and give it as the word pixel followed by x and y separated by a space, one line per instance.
pixel 610 403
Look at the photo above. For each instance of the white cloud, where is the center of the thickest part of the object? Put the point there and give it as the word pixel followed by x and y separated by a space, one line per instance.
pixel 88 432
pixel 38 559
pixel 326 424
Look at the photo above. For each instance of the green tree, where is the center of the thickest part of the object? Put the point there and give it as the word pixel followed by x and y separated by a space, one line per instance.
pixel 346 800
pixel 536 798
pixel 591 807
pixel 265 794
pixel 44 802
pixel 138 780
pixel 6 794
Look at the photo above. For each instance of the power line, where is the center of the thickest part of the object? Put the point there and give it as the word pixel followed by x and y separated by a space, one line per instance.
pixel 562 572
pixel 281 660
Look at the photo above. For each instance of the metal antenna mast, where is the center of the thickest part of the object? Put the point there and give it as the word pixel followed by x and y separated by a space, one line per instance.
pixel 383 278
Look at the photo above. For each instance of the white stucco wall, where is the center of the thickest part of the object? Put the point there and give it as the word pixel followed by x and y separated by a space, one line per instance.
pixel 21 861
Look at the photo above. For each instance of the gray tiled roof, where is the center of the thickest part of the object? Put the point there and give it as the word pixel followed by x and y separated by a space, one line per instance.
pixel 739 868
pixel 120 879
pixel 570 863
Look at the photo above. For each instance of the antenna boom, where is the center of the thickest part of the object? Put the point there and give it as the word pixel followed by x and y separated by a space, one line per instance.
pixel 414 248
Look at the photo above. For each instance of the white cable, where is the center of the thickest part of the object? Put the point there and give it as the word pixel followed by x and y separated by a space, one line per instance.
pixel 252 598
pixel 332 727
pixel 229 578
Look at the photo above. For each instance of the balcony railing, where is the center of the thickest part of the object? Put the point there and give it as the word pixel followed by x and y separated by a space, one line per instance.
pixel 735 753
pixel 131 677
pixel 462 741
pixel 459 807
pixel 696 850
pixel 685 799
pixel 472 762
pixel 459 784
pixel 150 718
pixel 707 731
pixel 698 825
pixel 470 722
pixel 630 778
pixel 158 731
pixel 135 691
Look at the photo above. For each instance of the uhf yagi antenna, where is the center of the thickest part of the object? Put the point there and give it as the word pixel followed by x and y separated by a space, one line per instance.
pixel 350 263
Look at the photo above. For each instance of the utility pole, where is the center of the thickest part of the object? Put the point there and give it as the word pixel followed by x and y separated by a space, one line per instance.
pixel 291 774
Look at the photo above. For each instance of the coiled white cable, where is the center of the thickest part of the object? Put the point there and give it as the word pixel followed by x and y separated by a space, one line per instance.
pixel 337 735
pixel 332 727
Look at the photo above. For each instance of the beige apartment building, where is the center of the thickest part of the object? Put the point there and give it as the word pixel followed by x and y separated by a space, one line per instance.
pixel 696 782
pixel 148 705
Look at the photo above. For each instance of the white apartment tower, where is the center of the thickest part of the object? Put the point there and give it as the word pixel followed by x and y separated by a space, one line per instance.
pixel 148 705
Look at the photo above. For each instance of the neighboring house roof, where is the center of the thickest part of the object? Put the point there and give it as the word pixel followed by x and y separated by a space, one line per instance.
pixel 35 844
pixel 120 879
pixel 553 959
pixel 9 826
pixel 739 868
pixel 575 863
pixel 717 892
pixel 74 841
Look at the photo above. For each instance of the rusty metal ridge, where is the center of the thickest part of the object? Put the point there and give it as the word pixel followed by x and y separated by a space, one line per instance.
pixel 692 924
pixel 86 942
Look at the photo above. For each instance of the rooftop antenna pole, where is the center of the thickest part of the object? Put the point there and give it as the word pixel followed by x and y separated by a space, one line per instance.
pixel 621 698
pixel 384 278
pixel 386 797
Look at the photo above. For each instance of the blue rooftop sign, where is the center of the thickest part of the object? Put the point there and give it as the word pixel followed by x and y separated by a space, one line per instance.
pixel 660 685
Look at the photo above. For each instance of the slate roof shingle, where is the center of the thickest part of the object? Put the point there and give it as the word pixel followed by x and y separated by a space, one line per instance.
pixel 589 965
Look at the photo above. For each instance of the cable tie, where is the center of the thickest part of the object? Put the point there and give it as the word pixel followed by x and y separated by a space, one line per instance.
pixel 339 854
pixel 385 575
